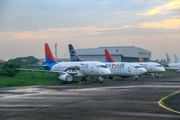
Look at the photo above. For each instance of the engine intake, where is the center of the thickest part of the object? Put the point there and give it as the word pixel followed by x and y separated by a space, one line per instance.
pixel 66 77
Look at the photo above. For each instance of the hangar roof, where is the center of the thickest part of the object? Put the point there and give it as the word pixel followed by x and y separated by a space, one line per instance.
pixel 125 51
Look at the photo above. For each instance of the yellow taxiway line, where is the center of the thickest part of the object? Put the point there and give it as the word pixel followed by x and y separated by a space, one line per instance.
pixel 159 102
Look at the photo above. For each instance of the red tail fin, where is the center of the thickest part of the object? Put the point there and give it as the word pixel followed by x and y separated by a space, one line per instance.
pixel 108 56
pixel 48 54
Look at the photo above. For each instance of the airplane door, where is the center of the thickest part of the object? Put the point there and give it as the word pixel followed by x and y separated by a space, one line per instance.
pixel 96 70
pixel 150 67
pixel 129 70
pixel 92 67
pixel 133 70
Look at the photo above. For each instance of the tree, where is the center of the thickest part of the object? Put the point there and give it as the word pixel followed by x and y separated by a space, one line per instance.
pixel 8 69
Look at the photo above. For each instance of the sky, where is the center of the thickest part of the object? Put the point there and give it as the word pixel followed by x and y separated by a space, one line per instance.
pixel 26 25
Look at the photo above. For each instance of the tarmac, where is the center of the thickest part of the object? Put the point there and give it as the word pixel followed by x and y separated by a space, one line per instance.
pixel 124 99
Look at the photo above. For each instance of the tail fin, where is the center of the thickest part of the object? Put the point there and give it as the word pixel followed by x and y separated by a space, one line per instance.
pixel 73 54
pixel 48 54
pixel 168 59
pixel 108 56
pixel 176 59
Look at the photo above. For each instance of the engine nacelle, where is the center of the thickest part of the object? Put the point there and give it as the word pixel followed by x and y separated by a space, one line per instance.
pixel 66 77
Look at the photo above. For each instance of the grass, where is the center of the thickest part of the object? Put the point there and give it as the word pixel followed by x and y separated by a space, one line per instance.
pixel 28 78
pixel 168 72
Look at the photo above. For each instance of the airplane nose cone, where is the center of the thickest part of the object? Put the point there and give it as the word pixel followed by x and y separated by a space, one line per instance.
pixel 161 69
pixel 105 72
pixel 143 71
pixel 109 72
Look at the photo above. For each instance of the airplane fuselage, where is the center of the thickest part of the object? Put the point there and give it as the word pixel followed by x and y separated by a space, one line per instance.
pixel 85 68
pixel 152 67
pixel 125 69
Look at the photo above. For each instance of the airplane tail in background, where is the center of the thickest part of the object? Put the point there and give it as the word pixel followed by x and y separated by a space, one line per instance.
pixel 176 59
pixel 108 56
pixel 73 54
pixel 48 55
pixel 168 59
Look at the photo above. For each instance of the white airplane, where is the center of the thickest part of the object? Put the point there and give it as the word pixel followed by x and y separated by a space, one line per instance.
pixel 68 70
pixel 150 67
pixel 171 64
pixel 117 69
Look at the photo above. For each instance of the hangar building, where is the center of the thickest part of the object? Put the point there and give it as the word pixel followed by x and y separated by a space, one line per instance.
pixel 119 54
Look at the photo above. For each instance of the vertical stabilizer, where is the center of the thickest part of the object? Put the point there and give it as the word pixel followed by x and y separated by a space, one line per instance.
pixel 176 59
pixel 169 61
pixel 108 56
pixel 73 54
pixel 48 54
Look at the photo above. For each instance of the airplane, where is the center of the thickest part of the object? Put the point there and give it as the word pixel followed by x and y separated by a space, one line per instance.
pixel 151 67
pixel 124 70
pixel 171 64
pixel 68 70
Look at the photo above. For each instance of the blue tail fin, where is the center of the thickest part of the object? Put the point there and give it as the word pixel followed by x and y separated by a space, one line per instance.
pixel 73 54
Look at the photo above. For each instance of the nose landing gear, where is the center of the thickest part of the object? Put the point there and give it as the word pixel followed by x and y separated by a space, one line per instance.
pixel 135 78
pixel 101 80
pixel 157 75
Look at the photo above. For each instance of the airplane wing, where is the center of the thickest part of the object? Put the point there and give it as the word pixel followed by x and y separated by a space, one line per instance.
pixel 173 68
pixel 73 70
pixel 35 70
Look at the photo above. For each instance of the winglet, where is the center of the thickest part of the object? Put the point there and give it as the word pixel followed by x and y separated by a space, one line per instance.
pixel 169 61
pixel 108 56
pixel 73 54
pixel 176 59
pixel 48 54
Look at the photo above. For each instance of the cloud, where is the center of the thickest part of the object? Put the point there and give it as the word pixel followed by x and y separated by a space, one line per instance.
pixel 173 5
pixel 153 11
pixel 167 24
pixel 58 33
pixel 161 9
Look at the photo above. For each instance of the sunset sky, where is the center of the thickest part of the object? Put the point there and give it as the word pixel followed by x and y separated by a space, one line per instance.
pixel 26 25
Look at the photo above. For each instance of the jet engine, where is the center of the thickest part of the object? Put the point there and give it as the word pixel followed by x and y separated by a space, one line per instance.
pixel 66 77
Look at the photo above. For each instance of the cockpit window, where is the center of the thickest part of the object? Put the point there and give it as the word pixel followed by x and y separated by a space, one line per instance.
pixel 138 67
pixel 102 66
pixel 158 65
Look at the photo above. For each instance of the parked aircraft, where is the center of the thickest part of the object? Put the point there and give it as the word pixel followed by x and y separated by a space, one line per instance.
pixel 150 67
pixel 68 70
pixel 117 69
pixel 171 64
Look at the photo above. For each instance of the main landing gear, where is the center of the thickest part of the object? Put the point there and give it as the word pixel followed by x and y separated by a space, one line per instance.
pixel 110 77
pixel 84 79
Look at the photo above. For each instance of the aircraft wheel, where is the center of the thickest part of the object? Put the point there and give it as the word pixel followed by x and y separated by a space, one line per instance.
pixel 157 76
pixel 135 79
pixel 101 82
